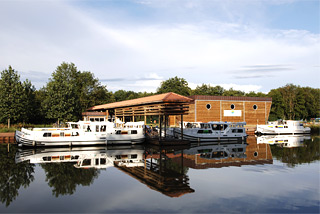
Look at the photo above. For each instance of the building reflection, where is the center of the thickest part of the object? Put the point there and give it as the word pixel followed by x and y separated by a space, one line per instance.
pixel 163 169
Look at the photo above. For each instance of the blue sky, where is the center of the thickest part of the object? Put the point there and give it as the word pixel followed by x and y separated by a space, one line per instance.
pixel 249 45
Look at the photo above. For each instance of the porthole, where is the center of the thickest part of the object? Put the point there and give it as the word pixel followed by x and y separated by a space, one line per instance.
pixel 232 106
pixel 255 154
pixel 255 107
pixel 208 106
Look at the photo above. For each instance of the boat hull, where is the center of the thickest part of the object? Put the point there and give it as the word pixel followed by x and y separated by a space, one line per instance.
pixel 26 140
pixel 208 137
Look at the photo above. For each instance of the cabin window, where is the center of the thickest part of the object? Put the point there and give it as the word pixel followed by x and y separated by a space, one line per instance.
pixel 134 132
pixel 217 127
pixel 46 158
pixel 97 161
pixel 255 107
pixel 205 126
pixel 92 119
pixel 61 157
pixel 118 156
pixel 103 128
pixel 208 106
pixel 86 162
pixel 47 134
pixel 237 130
pixel 61 134
pixel 97 128
pixel 75 126
pixel 118 132
pixel 103 161
pixel 74 157
pixel 134 156
pixel 232 106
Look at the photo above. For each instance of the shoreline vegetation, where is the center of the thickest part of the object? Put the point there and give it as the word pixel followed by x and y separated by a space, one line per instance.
pixel 70 92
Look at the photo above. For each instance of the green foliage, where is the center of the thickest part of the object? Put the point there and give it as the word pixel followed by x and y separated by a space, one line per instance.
pixel 294 102
pixel 16 98
pixel 205 89
pixel 64 177
pixel 176 85
pixel 122 95
pixel 232 92
pixel 13 176
pixel 70 92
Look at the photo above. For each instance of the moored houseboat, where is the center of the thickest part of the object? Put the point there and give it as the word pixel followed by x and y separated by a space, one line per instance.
pixel 128 133
pixel 211 131
pixel 283 127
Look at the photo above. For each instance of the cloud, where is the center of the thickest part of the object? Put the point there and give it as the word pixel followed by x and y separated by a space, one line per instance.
pixel 122 51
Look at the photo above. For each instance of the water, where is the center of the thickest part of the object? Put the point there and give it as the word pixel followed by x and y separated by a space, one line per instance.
pixel 251 177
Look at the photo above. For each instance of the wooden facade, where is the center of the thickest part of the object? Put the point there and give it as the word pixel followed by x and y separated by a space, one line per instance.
pixel 252 110
pixel 172 108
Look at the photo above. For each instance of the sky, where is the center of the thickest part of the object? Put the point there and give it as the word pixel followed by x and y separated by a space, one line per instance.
pixel 249 45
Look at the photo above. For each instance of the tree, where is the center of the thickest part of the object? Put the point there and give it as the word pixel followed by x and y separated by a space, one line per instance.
pixel 176 85
pixel 277 107
pixel 70 92
pixel 205 89
pixel 62 100
pixel 16 98
pixel 232 92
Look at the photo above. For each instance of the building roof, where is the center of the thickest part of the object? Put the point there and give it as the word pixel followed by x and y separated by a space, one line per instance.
pixel 206 97
pixel 159 98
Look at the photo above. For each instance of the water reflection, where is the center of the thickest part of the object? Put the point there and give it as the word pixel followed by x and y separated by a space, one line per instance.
pixel 165 170
pixel 13 176
pixel 288 141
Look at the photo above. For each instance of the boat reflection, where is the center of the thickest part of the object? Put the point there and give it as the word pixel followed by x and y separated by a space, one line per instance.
pixel 287 141
pixel 161 168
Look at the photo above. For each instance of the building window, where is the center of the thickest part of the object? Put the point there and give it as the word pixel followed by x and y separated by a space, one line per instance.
pixel 232 106
pixel 255 107
pixel 208 106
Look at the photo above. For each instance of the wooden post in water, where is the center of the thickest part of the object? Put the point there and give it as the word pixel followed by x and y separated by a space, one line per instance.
pixel 8 123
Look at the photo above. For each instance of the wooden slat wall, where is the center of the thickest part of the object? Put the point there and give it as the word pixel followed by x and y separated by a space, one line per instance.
pixel 199 113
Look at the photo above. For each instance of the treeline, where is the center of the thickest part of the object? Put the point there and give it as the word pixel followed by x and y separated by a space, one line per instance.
pixel 69 92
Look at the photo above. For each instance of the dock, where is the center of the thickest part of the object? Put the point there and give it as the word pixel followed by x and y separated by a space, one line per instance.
pixel 7 138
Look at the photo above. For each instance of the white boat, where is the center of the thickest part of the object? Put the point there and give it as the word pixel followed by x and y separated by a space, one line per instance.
pixel 76 134
pixel 287 141
pixel 128 133
pixel 283 127
pixel 211 131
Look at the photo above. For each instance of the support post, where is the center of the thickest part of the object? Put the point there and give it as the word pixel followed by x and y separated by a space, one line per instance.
pixel 165 125
pixel 181 126
pixel 160 124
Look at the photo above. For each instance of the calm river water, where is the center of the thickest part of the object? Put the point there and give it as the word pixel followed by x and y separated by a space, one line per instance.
pixel 262 175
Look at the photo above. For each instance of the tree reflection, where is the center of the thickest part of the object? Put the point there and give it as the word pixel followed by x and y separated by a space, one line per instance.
pixel 64 177
pixel 308 153
pixel 13 175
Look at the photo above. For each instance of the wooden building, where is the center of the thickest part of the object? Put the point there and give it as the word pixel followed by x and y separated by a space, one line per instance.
pixel 171 108
pixel 152 109
pixel 252 110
